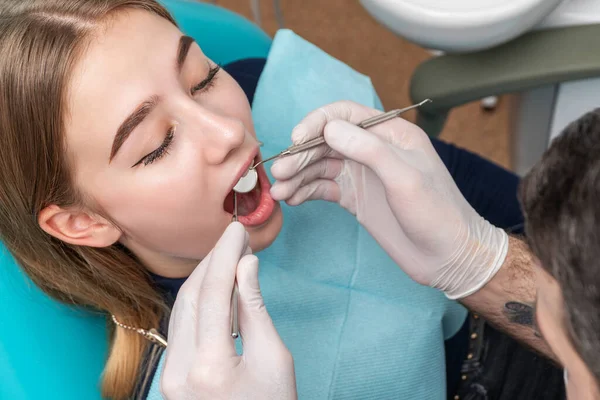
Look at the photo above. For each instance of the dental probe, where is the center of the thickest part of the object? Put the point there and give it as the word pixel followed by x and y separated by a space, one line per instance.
pixel 244 185
pixel 235 331
pixel 367 123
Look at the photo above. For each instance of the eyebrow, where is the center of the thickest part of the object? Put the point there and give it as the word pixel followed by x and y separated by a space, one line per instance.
pixel 144 109
pixel 185 42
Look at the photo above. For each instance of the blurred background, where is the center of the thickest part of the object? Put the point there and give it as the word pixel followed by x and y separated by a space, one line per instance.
pixel 345 30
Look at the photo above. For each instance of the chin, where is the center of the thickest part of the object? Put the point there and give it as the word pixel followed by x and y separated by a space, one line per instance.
pixel 263 236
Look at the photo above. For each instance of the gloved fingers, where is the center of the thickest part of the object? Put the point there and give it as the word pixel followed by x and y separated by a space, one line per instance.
pixel 314 123
pixel 398 131
pixel 258 333
pixel 320 189
pixel 182 322
pixel 368 149
pixel 312 126
pixel 288 166
pixel 214 294
pixel 182 335
pixel 327 168
pixel 401 133
pixel 183 325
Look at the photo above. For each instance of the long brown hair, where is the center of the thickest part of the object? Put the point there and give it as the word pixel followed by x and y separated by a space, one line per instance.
pixel 40 41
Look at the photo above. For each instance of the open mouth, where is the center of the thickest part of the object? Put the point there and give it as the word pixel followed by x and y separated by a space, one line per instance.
pixel 256 206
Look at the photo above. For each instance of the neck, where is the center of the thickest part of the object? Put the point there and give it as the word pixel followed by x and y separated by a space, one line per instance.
pixel 170 267
pixel 162 264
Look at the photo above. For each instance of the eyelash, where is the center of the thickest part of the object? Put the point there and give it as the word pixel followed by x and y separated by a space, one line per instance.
pixel 163 149
pixel 208 82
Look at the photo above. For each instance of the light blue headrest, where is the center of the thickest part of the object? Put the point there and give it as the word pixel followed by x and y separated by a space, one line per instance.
pixel 50 351
pixel 224 36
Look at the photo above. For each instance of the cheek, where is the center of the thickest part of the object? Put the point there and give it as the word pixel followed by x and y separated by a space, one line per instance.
pixel 167 209
pixel 234 103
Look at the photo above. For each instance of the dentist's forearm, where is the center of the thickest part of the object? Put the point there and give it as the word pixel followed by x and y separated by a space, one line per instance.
pixel 507 300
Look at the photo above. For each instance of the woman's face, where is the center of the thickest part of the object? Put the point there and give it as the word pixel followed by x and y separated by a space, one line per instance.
pixel 158 138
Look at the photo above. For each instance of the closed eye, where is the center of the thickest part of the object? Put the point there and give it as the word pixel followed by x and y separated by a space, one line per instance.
pixel 207 82
pixel 160 152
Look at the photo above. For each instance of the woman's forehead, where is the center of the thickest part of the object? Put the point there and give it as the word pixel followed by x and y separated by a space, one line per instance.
pixel 133 43
pixel 114 75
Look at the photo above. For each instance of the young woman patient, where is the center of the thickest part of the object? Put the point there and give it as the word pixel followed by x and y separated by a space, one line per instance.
pixel 121 145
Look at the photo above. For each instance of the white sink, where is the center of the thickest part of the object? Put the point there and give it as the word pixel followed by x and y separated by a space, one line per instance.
pixel 573 12
pixel 460 25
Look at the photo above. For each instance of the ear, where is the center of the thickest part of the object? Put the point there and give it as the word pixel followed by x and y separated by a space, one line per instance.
pixel 78 227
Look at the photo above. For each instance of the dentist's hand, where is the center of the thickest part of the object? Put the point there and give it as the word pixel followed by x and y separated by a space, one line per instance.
pixel 201 361
pixel 392 179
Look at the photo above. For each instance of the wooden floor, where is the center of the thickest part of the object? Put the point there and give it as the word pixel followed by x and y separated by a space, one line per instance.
pixel 346 31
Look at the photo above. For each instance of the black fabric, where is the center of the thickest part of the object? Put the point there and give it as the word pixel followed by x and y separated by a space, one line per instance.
pixel 169 286
pixel 246 72
pixel 509 371
pixel 490 189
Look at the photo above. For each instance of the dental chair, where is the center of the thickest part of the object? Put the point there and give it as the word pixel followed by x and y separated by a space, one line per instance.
pixel 546 52
pixel 52 351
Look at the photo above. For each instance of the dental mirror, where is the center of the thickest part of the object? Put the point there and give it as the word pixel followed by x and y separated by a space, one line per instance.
pixel 246 182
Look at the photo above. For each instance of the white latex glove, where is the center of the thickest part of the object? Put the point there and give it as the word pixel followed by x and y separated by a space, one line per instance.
pixel 201 361
pixel 391 178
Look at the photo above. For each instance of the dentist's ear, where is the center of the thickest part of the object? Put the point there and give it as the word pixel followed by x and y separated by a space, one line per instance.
pixel 78 227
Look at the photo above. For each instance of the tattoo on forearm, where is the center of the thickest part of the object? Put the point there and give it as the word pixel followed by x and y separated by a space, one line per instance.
pixel 519 313
pixel 522 314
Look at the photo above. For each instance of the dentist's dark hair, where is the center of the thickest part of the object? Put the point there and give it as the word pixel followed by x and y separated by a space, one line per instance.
pixel 561 202
pixel 40 42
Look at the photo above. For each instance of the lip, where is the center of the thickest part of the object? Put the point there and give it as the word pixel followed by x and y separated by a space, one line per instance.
pixel 266 205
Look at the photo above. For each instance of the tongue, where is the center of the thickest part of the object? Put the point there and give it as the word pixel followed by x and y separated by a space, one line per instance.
pixel 247 202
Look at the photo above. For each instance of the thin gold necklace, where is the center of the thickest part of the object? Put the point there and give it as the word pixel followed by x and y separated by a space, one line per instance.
pixel 152 334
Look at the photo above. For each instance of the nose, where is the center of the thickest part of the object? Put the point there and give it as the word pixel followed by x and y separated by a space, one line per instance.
pixel 216 133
